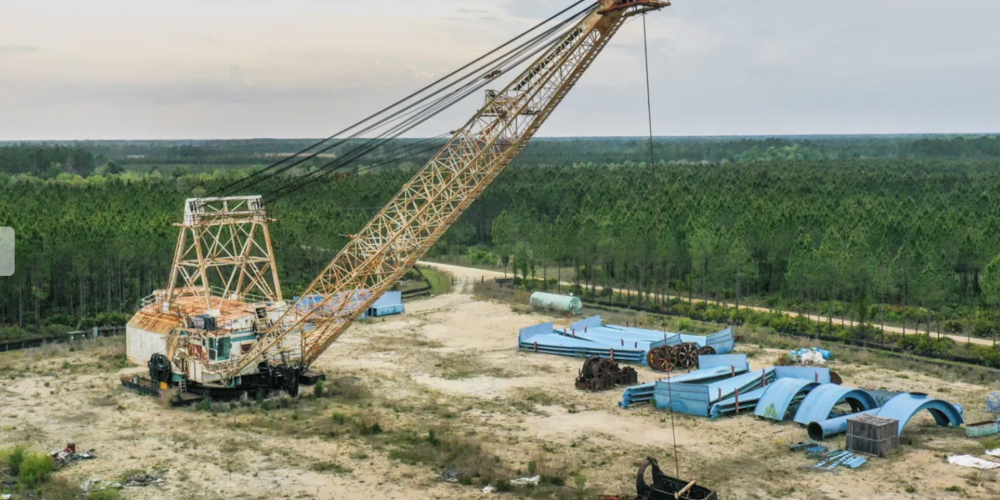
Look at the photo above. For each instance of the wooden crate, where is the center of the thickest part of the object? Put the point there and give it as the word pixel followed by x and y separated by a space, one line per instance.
pixel 872 435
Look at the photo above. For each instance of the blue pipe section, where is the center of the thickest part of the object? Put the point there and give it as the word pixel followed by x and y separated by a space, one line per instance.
pixel 816 407
pixel 819 431
pixel 779 395
pixel 900 408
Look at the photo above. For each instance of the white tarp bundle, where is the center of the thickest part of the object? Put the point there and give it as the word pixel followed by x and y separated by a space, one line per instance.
pixel 971 461
pixel 812 358
pixel 994 452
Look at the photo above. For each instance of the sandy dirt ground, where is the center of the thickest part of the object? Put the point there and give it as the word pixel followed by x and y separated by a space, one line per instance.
pixel 451 361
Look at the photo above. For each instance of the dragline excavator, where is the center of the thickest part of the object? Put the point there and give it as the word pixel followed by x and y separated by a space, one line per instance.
pixel 243 337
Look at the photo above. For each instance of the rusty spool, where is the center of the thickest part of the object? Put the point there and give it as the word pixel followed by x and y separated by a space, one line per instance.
pixel 687 355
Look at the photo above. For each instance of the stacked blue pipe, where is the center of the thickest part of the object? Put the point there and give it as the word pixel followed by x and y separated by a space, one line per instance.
pixel 545 339
pixel 642 393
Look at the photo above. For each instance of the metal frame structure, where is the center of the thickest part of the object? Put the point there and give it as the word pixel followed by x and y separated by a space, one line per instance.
pixel 224 248
pixel 379 254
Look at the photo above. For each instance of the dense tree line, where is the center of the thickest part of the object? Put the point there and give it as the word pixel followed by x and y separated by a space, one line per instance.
pixel 46 161
pixel 827 236
pixel 874 240
pixel 78 157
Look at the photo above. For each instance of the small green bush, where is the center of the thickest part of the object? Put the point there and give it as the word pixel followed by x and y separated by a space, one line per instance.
pixel 35 469
pixel 104 495
pixel 318 389
pixel 13 457
pixel 204 405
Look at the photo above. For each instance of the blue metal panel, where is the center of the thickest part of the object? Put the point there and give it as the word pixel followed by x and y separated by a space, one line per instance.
pixel 820 402
pixel 388 310
pixel 697 399
pixel 591 322
pixel 815 374
pixel 779 395
pixel 904 406
pixel 746 401
pixel 542 329
pixel 744 383
pixel 707 374
pixel 636 394
pixel 389 299
pixel 682 398
pixel 542 339
pixel 739 361
pixel 612 338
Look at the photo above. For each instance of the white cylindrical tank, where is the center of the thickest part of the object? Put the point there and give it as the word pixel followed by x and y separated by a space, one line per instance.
pixel 561 303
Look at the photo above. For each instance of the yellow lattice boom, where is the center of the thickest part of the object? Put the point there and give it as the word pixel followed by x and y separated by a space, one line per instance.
pixel 381 253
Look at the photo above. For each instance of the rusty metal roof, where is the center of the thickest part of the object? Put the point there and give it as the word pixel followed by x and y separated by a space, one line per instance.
pixel 153 319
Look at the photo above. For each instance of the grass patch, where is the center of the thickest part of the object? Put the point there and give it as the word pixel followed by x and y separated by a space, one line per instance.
pixel 440 448
pixel 329 467
pixel 440 281
pixel 460 366
pixel 344 389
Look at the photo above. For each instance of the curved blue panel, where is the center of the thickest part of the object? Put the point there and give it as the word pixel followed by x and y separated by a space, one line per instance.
pixel 904 406
pixel 901 408
pixel 820 402
pixel 779 395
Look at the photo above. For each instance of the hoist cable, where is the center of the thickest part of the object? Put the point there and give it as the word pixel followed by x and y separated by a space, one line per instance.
pixel 477 79
pixel 656 214
pixel 420 116
pixel 239 182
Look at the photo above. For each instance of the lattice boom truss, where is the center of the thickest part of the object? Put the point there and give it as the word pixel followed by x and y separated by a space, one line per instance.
pixel 224 248
pixel 432 201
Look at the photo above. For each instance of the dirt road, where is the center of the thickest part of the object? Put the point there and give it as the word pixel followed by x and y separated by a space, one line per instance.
pixel 473 273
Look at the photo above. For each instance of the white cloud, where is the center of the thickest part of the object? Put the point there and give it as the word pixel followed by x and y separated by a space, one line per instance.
pixel 13 49
pixel 237 68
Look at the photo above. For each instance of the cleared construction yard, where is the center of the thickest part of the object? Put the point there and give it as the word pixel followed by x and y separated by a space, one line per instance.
pixel 443 387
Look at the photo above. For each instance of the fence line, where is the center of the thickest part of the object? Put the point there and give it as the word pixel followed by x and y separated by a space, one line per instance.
pixel 94 333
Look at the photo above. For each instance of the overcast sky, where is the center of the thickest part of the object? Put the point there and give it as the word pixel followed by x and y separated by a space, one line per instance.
pixel 170 69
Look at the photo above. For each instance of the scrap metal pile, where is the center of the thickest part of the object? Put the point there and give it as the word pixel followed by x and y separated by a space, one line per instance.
pixel 828 460
pixel 600 374
pixel 665 487
pixel 684 356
